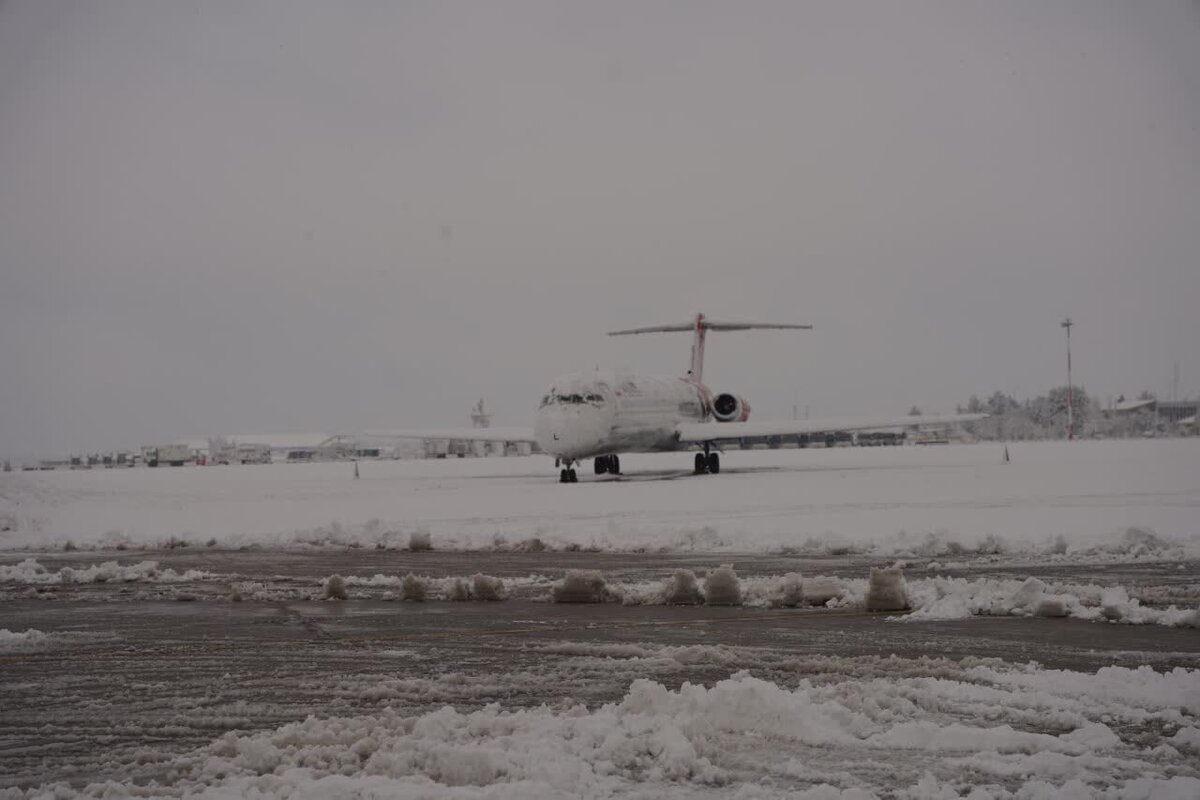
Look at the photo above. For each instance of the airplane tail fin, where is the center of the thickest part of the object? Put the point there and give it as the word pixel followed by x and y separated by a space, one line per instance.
pixel 700 327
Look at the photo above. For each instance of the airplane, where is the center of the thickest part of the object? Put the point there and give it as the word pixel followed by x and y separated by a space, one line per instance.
pixel 601 415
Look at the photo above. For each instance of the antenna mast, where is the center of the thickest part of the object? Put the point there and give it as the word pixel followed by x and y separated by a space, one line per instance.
pixel 479 417
pixel 1066 323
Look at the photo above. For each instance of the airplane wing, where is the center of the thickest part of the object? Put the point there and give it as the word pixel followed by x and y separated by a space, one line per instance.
pixel 459 434
pixel 699 432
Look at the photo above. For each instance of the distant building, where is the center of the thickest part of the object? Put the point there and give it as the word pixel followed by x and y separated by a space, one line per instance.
pixel 1177 411
pixel 1123 406
pixel 1174 411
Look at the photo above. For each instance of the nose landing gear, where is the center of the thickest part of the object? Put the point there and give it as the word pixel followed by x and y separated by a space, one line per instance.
pixel 708 462
pixel 568 476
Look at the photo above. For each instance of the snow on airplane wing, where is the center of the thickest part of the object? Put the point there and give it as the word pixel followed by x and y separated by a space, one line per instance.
pixel 461 434
pixel 698 432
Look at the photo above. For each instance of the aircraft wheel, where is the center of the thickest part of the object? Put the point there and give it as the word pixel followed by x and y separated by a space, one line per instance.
pixel 600 465
pixel 614 464
pixel 572 476
pixel 714 463
pixel 701 464
pixel 562 476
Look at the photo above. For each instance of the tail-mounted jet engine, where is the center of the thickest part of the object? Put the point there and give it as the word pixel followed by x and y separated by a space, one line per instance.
pixel 730 408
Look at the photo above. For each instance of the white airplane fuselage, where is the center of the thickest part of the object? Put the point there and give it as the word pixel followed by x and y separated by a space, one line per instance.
pixel 583 416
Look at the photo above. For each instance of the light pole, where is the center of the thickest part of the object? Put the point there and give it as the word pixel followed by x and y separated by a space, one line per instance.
pixel 1066 323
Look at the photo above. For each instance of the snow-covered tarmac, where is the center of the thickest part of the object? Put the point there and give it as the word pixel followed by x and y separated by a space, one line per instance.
pixel 1052 651
pixel 892 499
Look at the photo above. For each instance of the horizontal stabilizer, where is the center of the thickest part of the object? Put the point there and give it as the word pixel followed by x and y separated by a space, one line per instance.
pixel 700 327
pixel 687 326
pixel 712 325
pixel 750 326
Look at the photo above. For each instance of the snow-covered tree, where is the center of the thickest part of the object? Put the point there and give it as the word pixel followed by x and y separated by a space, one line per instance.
pixel 1000 403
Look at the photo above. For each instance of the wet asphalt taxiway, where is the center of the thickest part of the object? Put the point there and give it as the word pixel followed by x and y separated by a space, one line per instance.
pixel 137 674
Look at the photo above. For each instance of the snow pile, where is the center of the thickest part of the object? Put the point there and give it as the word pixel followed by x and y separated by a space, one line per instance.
pixel 1116 606
pixel 335 588
pixel 886 590
pixel 478 587
pixel 1102 545
pixel 459 590
pixel 958 598
pixel 34 641
pixel 22 641
pixel 31 572
pixel 721 587
pixel 1132 542
pixel 930 599
pixel 1186 740
pixel 1032 598
pixel 682 589
pixel 581 586
pixel 819 591
pixel 983 731
pixel 413 588
pixel 487 588
pixel 789 591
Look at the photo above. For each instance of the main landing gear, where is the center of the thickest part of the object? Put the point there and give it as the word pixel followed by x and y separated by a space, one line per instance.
pixel 708 462
pixel 603 464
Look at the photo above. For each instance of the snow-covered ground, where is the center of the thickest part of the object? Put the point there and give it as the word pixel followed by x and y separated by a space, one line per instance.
pixel 207 698
pixel 840 728
pixel 1053 500
pixel 746 737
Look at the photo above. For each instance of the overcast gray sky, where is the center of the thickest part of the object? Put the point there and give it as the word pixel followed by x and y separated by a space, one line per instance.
pixel 220 217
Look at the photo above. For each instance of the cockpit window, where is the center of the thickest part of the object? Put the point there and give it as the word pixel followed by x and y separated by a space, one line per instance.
pixel 573 399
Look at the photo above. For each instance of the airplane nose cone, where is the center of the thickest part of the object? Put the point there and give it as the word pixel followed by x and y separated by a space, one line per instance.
pixel 551 431
pixel 570 431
